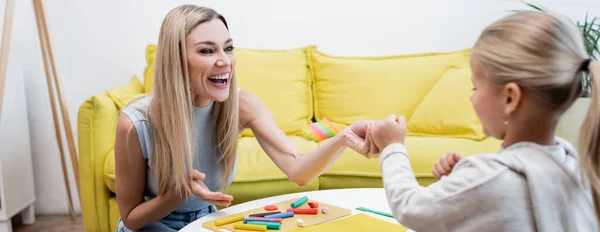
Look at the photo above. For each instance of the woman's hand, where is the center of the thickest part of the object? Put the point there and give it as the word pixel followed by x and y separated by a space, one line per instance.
pixel 388 131
pixel 444 165
pixel 203 193
pixel 358 138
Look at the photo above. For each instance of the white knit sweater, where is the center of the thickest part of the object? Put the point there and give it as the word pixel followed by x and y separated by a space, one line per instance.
pixel 525 187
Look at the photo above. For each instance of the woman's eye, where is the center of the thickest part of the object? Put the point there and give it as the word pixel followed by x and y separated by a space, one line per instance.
pixel 206 51
pixel 229 49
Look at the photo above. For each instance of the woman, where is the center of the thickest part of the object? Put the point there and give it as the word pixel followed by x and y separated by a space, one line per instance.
pixel 526 70
pixel 176 148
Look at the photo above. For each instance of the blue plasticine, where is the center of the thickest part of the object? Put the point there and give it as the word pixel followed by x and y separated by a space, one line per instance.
pixel 264 214
pixel 299 202
pixel 280 215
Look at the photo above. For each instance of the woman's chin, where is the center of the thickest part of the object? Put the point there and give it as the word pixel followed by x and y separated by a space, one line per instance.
pixel 220 96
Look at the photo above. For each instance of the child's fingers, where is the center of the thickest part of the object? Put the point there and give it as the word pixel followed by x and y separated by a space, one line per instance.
pixel 450 160
pixel 441 170
pixel 445 164
pixel 435 173
pixel 392 117
pixel 456 157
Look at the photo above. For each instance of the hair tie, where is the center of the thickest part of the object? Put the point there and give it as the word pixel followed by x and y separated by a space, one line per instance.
pixel 585 65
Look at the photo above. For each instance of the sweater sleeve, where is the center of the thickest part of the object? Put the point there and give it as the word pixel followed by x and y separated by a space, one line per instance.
pixel 422 208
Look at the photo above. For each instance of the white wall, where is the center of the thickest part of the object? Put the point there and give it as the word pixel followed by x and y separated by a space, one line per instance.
pixel 100 44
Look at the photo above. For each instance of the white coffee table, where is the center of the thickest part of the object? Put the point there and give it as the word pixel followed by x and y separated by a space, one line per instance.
pixel 372 198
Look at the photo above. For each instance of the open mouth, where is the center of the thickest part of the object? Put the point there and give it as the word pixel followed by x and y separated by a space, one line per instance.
pixel 220 80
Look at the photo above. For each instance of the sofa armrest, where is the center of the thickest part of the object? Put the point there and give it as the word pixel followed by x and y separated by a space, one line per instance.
pixel 96 123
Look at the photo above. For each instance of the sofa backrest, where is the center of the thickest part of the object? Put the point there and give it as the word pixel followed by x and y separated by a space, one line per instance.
pixel 280 78
pixel 303 84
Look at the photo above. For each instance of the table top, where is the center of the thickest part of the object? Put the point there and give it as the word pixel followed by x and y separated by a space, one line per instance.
pixel 372 198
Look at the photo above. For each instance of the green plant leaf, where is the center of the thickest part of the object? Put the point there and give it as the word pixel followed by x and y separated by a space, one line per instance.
pixel 534 6
pixel 590 30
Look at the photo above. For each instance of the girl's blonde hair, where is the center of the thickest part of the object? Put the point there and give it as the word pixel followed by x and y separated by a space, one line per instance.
pixel 171 107
pixel 544 53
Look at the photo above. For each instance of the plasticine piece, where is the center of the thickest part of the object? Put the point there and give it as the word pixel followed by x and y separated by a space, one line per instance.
pixel 270 225
pixel 281 215
pixel 241 226
pixel 329 125
pixel 227 220
pixel 313 204
pixel 262 219
pixel 303 211
pixel 325 210
pixel 299 202
pixel 375 212
pixel 271 207
pixel 319 131
pixel 264 214
pixel 300 222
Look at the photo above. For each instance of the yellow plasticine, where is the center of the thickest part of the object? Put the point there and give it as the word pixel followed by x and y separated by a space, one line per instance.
pixel 228 220
pixel 241 226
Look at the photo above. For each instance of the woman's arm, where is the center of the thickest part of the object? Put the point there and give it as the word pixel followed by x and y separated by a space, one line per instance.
pixel 130 171
pixel 300 167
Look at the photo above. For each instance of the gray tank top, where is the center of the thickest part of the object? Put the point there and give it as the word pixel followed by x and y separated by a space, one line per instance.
pixel 205 157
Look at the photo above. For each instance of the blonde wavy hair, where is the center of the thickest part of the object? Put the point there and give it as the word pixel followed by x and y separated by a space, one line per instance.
pixel 171 108
pixel 544 53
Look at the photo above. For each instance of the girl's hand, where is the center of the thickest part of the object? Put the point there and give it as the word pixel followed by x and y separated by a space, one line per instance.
pixel 444 165
pixel 388 131
pixel 203 193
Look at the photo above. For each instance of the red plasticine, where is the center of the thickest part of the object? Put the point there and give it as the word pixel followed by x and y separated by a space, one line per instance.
pixel 271 207
pixel 313 204
pixel 303 211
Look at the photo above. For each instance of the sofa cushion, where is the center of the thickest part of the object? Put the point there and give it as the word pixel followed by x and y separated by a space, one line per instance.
pixel 122 95
pixel 149 69
pixel 109 171
pixel 96 121
pixel 353 170
pixel 255 165
pixel 446 111
pixel 257 176
pixel 280 78
pixel 113 213
pixel 348 89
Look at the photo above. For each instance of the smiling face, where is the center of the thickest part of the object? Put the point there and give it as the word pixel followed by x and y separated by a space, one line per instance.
pixel 210 61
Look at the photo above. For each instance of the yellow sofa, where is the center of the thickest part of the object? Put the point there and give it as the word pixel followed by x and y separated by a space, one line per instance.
pixel 302 85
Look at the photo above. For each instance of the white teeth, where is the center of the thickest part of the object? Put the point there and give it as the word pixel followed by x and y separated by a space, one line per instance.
pixel 222 77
